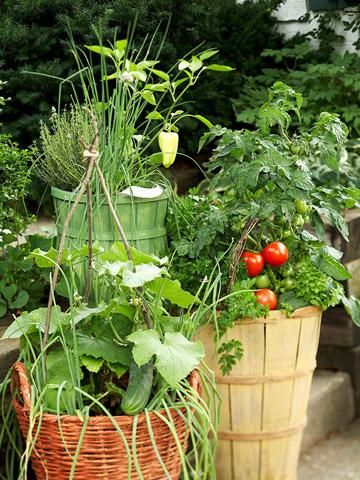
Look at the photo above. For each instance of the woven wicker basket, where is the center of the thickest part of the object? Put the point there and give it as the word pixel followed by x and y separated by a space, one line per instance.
pixel 103 454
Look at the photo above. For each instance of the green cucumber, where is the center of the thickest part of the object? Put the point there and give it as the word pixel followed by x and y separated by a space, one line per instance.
pixel 139 388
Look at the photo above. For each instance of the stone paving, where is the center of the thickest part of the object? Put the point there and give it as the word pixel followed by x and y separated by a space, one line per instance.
pixel 337 458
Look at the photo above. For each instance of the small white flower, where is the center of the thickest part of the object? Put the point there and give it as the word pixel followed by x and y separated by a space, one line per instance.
pixel 127 77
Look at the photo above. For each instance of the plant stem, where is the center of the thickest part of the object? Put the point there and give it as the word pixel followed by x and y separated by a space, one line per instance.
pixel 113 212
pixel 90 258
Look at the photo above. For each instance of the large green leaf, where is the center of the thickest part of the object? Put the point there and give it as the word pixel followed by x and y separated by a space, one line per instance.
pixel 21 300
pixel 100 50
pixel 105 348
pixel 117 252
pixel 59 370
pixel 147 343
pixel 57 366
pixel 220 68
pixel 8 292
pixel 3 308
pixel 44 259
pixel 35 320
pixel 47 259
pixel 176 357
pixel 333 268
pixel 148 96
pixel 91 363
pixel 352 306
pixel 171 290
pixel 82 312
pixel 144 273
pixel 208 54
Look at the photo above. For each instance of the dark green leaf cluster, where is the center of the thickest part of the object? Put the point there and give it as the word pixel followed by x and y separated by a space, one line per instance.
pixel 329 82
pixel 316 287
pixel 33 37
pixel 264 172
pixel 241 303
pixel 22 283
pixel 14 182
pixel 199 234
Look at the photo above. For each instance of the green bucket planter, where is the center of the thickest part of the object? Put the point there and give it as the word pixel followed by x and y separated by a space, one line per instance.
pixel 143 220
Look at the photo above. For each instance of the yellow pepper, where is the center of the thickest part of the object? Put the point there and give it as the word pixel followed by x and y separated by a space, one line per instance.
pixel 168 143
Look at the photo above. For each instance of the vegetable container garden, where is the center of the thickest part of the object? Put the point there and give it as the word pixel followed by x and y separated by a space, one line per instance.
pixel 265 397
pixel 143 221
pixel 102 447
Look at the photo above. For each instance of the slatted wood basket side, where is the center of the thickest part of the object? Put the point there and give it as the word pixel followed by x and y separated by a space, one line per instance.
pixel 265 397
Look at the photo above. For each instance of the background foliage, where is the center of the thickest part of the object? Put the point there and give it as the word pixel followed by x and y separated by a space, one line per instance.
pixel 312 64
pixel 33 37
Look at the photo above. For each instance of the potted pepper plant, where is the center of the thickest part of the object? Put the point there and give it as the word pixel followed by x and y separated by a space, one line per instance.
pixel 261 217
pixel 137 107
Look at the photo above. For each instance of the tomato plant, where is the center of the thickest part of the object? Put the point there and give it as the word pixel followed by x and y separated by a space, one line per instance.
pixel 275 254
pixel 267 297
pixel 254 263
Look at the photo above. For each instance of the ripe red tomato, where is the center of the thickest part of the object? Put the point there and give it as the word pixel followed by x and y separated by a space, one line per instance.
pixel 254 263
pixel 267 297
pixel 275 254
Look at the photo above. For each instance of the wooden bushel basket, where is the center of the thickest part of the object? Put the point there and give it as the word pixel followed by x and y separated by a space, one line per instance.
pixel 103 454
pixel 265 397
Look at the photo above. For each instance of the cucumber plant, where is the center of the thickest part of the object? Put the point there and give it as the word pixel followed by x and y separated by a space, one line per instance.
pixel 129 350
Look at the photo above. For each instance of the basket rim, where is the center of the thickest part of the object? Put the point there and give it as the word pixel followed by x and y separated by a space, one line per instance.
pixel 94 420
pixel 121 199
pixel 303 312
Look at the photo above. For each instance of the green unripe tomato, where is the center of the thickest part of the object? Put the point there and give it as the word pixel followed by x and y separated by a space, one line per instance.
pixel 263 281
pixel 287 271
pixel 301 206
pixel 299 221
pixel 280 221
pixel 288 283
pixel 286 234
pixel 295 149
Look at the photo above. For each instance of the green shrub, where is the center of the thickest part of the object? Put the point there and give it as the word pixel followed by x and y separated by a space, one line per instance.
pixel 328 81
pixel 33 37
pixel 14 180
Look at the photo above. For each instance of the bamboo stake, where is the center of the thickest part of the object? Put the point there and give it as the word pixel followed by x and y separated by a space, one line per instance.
pixel 238 251
pixel 90 257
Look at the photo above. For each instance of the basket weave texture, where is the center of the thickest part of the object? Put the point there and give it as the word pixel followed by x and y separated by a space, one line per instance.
pixel 103 454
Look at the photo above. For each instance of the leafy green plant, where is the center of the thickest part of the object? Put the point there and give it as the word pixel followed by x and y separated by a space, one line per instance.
pixel 328 86
pixel 15 177
pixel 263 180
pixel 61 161
pixel 22 284
pixel 126 355
pixel 148 99
pixel 328 81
